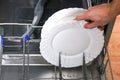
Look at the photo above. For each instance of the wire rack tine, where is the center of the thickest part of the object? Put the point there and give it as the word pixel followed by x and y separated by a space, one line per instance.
pixel 84 68
pixel 28 59
pixel 1 52
pixel 60 68
pixel 89 3
pixel 23 52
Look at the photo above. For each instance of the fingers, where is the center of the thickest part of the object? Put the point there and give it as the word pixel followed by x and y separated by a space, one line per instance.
pixel 82 17
pixel 93 21
pixel 93 25
pixel 90 25
pixel 101 28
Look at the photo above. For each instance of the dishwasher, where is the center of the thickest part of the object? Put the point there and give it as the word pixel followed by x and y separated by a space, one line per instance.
pixel 20 58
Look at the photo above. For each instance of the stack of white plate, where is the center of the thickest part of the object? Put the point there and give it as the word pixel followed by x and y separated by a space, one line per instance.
pixel 62 34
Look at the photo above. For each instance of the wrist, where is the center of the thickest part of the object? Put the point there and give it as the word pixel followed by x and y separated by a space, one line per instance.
pixel 114 8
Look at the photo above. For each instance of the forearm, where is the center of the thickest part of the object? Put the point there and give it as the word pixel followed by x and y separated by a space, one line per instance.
pixel 115 7
pixel 101 15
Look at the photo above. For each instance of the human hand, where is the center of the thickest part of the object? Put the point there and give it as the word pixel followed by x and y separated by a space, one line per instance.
pixel 97 16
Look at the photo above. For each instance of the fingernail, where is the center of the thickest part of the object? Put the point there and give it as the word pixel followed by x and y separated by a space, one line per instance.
pixel 86 27
pixel 75 18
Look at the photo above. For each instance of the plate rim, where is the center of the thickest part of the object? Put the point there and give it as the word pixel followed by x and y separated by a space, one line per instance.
pixel 66 65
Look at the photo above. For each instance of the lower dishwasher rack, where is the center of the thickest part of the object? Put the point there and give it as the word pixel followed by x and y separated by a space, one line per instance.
pixel 21 60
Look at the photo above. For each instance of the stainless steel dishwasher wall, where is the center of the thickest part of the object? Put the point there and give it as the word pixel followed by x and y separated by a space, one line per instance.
pixel 17 10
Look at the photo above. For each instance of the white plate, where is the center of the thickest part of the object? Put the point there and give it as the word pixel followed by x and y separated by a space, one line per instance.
pixel 61 33
pixel 61 17
pixel 71 39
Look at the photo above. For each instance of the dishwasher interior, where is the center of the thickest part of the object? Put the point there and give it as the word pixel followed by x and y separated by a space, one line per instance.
pixel 20 59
